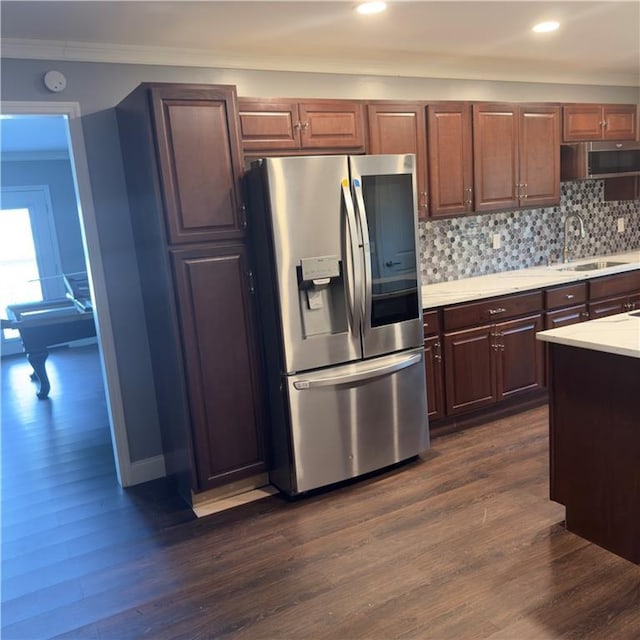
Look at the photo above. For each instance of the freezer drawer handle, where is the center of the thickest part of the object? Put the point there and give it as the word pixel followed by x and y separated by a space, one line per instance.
pixel 373 372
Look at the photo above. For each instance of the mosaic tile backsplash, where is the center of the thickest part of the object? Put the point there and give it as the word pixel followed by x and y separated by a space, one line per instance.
pixel 462 247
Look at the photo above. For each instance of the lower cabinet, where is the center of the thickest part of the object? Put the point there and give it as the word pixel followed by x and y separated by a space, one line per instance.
pixel 490 350
pixel 433 364
pixel 614 294
pixel 491 363
pixel 221 362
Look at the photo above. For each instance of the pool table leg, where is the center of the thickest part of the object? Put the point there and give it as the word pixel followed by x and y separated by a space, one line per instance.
pixel 37 360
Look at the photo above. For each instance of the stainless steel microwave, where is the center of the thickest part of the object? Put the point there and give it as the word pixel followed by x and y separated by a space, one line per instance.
pixel 599 160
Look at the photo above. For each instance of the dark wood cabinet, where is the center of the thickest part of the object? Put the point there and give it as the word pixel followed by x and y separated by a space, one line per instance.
pixel 182 160
pixel 221 361
pixel 450 158
pixel 497 360
pixel 621 188
pixel 495 156
pixel 565 305
pixel 516 155
pixel 199 162
pixel 539 155
pixel 519 356
pixel 399 127
pixel 585 122
pixel 469 369
pixel 433 365
pixel 287 125
pixel 613 294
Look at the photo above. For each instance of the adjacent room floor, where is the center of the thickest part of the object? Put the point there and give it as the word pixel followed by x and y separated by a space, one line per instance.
pixel 463 544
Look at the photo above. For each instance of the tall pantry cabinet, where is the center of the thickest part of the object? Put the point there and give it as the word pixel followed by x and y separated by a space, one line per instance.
pixel 182 160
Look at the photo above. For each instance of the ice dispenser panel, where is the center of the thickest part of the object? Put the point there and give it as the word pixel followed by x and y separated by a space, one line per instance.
pixel 321 295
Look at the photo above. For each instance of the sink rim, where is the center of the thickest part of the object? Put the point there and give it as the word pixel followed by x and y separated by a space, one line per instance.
pixel 595 265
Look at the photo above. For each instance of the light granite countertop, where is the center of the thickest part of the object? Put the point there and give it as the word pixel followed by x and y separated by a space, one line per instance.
pixel 619 334
pixel 497 284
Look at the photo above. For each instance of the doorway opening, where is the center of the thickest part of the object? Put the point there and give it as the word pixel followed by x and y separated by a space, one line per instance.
pixel 47 210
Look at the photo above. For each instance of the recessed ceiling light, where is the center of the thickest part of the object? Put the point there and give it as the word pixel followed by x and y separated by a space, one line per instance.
pixel 545 27
pixel 367 8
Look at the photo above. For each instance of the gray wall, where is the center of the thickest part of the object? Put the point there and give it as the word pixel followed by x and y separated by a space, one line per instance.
pixel 99 87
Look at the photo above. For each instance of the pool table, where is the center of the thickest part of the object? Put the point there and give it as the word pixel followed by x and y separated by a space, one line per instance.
pixel 44 324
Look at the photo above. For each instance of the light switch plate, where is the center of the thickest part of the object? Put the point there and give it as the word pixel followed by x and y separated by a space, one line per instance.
pixel 620 225
pixel 495 242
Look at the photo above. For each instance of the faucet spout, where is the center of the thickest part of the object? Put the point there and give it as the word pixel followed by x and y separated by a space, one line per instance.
pixel 566 249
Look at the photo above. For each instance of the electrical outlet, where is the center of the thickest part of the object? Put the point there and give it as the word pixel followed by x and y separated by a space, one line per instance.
pixel 495 241
pixel 620 225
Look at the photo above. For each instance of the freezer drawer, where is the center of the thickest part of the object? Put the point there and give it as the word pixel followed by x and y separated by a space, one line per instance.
pixel 352 419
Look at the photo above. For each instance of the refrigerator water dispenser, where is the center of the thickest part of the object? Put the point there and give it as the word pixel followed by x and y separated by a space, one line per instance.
pixel 321 295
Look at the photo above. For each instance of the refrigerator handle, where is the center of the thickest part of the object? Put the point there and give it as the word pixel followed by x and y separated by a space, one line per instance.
pixel 354 276
pixel 363 374
pixel 366 247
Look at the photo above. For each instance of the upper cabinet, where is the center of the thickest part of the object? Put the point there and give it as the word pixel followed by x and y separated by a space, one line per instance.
pixel 450 158
pixel 199 155
pixel 289 126
pixel 397 127
pixel 516 155
pixel 585 122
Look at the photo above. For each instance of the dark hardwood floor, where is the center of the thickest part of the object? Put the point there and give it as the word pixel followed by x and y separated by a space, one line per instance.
pixel 463 544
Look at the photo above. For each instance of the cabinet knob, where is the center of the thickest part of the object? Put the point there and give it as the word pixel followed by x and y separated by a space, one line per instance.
pixel 493 312
pixel 570 296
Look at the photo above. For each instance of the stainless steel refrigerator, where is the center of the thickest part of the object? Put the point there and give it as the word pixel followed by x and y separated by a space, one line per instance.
pixel 335 243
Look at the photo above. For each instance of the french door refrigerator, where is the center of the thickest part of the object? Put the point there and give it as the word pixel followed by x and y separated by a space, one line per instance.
pixel 335 248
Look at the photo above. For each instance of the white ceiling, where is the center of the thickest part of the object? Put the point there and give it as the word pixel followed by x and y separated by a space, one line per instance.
pixel 598 43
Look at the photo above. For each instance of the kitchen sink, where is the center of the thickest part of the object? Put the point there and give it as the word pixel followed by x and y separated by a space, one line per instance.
pixel 593 266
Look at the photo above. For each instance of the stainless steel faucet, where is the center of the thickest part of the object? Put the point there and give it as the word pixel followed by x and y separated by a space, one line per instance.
pixel 566 249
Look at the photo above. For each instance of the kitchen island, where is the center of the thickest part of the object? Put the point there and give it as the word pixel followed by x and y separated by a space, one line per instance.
pixel 594 436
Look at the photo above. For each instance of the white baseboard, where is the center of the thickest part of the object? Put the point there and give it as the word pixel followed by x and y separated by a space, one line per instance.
pixel 145 470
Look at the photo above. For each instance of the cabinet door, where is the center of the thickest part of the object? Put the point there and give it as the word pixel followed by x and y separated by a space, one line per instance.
pixel 433 370
pixel 268 125
pixel 401 128
pixel 221 362
pixel 450 161
pixel 199 155
pixel 582 122
pixel 539 156
pixel 519 356
pixel 620 122
pixel 495 156
pixel 469 370
pixel 332 124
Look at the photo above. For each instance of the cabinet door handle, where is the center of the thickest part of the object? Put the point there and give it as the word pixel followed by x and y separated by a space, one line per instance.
pixel 243 216
pixel 297 126
pixel 584 315
pixel 493 312
pixel 570 296
pixel 305 124
pixel 437 355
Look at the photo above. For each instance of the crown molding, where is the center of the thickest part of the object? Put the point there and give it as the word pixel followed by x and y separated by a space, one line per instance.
pixel 443 68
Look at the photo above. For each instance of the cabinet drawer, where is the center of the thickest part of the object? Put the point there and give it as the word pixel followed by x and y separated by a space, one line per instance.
pixel 618 284
pixel 566 316
pixel 569 295
pixel 431 323
pixel 496 309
